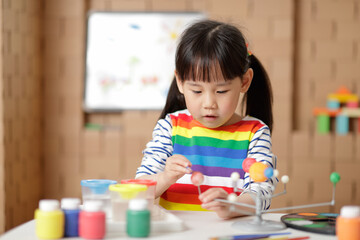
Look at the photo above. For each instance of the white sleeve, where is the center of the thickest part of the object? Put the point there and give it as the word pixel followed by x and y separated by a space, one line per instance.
pixel 158 149
pixel 260 149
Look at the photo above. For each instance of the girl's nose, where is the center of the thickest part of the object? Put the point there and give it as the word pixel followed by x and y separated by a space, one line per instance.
pixel 209 101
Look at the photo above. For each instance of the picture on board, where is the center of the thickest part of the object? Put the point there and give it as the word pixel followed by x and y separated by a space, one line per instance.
pixel 130 58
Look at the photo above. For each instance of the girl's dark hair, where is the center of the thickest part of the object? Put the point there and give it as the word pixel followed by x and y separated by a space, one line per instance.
pixel 209 46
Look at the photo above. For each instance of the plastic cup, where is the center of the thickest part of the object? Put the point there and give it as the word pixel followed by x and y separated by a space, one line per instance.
pixel 98 189
pixel 121 194
pixel 151 187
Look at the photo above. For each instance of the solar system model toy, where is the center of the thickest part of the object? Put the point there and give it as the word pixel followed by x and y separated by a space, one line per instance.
pixel 258 173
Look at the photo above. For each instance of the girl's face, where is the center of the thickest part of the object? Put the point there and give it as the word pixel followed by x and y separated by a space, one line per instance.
pixel 214 103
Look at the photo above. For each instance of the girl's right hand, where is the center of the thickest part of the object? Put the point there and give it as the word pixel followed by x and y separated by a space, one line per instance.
pixel 176 167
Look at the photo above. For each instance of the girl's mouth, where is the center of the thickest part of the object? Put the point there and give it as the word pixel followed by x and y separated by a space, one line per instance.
pixel 210 117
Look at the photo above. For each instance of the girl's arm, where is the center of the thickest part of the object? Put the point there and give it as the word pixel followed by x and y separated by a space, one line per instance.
pixel 176 167
pixel 159 163
pixel 260 148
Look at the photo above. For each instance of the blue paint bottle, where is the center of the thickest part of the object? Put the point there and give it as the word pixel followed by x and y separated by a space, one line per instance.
pixel 71 208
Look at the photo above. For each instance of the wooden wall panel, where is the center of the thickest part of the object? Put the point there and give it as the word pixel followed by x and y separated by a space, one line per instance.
pixel 21 163
pixel 2 145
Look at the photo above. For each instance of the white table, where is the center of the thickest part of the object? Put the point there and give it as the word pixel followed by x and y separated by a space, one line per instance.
pixel 197 225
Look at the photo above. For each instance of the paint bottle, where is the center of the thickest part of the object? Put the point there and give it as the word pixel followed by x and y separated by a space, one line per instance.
pixel 71 208
pixel 348 223
pixel 92 223
pixel 138 218
pixel 49 220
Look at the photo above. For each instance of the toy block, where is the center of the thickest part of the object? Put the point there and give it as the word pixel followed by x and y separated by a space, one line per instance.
pixel 352 104
pixel 343 95
pixel 333 104
pixel 342 124
pixel 323 123
pixel 351 112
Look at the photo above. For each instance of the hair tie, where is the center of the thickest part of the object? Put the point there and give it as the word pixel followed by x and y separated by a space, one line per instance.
pixel 249 53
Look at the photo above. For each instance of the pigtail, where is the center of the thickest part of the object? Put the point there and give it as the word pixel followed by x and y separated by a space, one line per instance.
pixel 259 97
pixel 175 100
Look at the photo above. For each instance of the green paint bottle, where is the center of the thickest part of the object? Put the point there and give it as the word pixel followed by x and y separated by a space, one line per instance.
pixel 138 218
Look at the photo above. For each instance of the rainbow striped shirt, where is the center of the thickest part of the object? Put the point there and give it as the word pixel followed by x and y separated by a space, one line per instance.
pixel 216 153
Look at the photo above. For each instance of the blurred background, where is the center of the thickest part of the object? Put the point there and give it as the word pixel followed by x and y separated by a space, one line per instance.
pixel 310 48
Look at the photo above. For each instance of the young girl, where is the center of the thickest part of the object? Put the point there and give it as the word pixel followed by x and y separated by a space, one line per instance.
pixel 200 128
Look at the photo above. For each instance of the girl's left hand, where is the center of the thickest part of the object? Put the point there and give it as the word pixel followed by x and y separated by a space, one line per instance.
pixel 207 199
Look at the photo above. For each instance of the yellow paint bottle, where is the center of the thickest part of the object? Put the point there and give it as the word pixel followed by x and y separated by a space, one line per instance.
pixel 49 220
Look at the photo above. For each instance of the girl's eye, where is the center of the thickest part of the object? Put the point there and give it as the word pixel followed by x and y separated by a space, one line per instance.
pixel 196 92
pixel 221 92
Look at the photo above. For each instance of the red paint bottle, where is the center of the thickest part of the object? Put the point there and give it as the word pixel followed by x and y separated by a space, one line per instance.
pixel 92 223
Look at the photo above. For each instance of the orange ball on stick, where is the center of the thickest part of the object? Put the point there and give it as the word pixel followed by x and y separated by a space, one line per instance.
pixel 257 172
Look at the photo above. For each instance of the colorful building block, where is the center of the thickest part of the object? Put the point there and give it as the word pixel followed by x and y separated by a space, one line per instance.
pixel 342 124
pixel 342 105
pixel 323 123
pixel 333 104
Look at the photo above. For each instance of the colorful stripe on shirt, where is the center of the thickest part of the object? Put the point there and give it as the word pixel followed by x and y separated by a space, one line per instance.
pixel 216 153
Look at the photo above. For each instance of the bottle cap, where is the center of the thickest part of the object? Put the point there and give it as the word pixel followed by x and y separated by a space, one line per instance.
pixel 128 191
pixel 138 204
pixel 70 203
pixel 93 206
pixel 98 186
pixel 350 211
pixel 49 205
